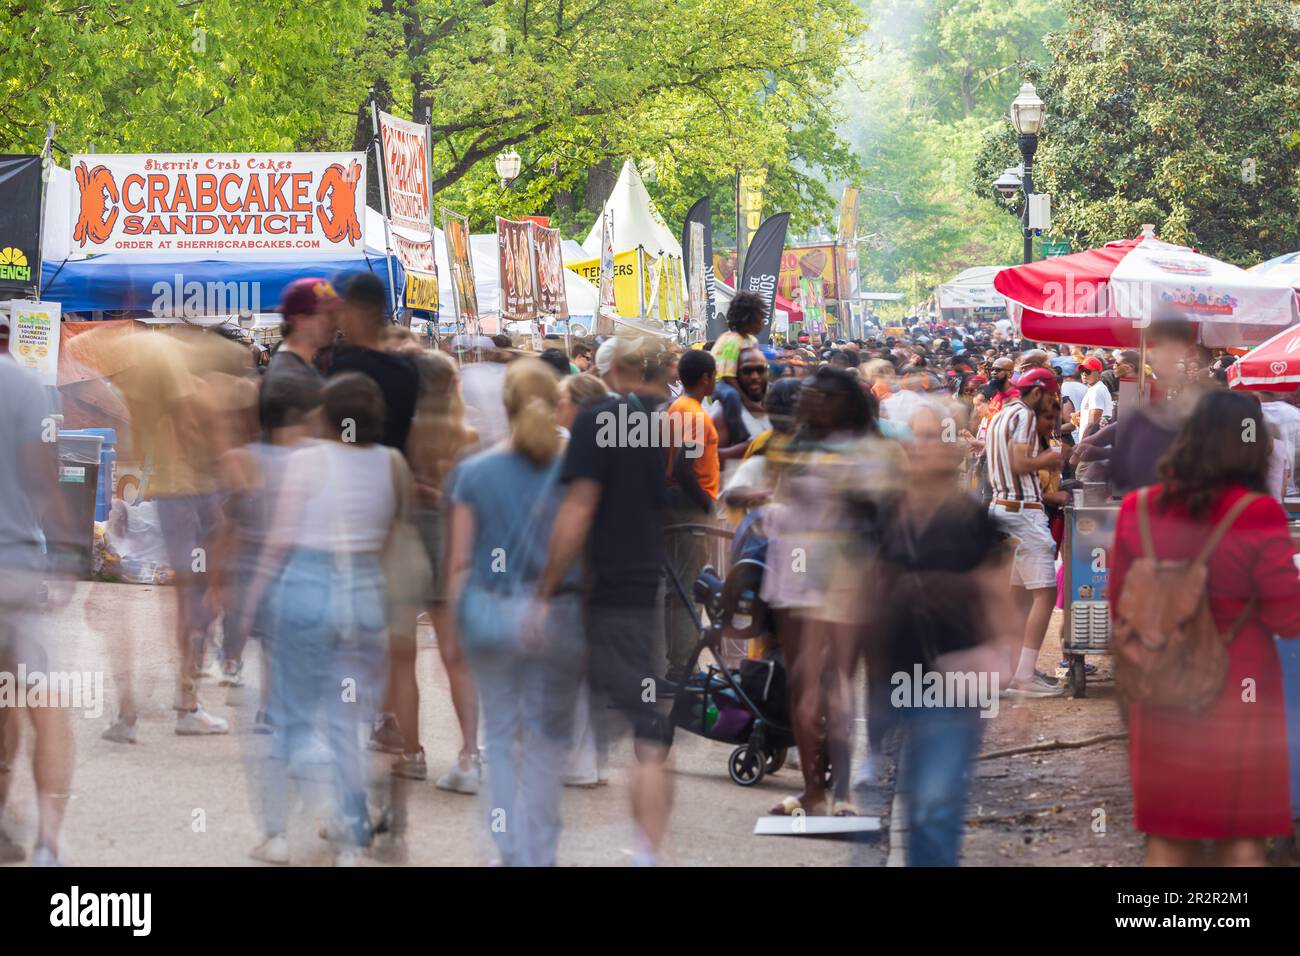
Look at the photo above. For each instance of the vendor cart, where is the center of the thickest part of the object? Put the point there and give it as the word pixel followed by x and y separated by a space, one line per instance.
pixel 1085 550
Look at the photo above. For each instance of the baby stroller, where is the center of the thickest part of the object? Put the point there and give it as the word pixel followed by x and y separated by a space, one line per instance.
pixel 747 706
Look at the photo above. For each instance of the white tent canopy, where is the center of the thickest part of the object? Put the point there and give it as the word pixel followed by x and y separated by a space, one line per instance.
pixel 971 289
pixel 636 220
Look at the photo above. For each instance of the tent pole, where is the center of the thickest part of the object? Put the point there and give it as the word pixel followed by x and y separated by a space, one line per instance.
pixel 1142 366
pixel 383 201
pixel 40 221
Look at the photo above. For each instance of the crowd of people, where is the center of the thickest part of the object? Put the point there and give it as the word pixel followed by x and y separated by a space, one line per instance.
pixel 530 508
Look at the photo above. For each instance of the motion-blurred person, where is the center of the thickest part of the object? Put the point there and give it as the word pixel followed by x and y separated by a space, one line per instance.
pixel 834 474
pixel 1217 775
pixel 181 391
pixel 750 485
pixel 29 557
pixel 942 608
pixel 614 511
pixel 290 393
pixel 320 571
pixel 504 502
pixel 439 438
pixel 363 322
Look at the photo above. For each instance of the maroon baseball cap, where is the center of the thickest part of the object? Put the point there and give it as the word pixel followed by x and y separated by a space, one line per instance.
pixel 308 297
pixel 1038 378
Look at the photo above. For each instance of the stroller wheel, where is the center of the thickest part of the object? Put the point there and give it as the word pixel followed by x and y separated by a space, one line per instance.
pixel 776 760
pixel 746 765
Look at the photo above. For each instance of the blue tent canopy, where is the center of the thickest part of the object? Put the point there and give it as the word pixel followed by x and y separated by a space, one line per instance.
pixel 112 283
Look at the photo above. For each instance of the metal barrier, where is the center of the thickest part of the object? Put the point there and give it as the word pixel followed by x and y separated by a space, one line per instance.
pixel 717 551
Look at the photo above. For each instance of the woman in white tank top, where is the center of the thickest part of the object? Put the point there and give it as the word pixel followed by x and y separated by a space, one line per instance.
pixel 321 572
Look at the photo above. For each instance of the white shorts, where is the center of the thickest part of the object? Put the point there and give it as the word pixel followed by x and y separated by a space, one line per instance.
pixel 1035 561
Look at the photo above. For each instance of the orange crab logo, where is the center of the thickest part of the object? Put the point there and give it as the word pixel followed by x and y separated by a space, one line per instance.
pixel 99 198
pixel 337 195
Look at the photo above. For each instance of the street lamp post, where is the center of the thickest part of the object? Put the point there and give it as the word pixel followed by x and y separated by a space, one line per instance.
pixel 1027 114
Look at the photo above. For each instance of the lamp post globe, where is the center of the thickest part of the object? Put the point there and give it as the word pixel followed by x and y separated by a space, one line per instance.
pixel 1028 113
pixel 507 165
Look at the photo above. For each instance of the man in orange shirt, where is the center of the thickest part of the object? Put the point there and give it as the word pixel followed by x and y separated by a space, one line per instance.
pixel 694 478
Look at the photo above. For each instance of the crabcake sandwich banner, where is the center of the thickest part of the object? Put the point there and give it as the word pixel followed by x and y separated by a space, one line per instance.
pixel 253 204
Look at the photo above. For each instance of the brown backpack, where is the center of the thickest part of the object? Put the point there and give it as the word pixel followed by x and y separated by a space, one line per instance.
pixel 1167 650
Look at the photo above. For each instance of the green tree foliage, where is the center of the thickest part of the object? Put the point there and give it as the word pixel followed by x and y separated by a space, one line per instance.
pixel 1173 112
pixel 693 88
pixel 941 74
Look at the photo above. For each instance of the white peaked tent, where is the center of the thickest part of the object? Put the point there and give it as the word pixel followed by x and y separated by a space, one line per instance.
pixel 636 221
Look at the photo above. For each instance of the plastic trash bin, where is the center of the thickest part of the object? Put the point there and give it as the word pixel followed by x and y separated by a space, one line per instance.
pixel 107 468
pixel 78 487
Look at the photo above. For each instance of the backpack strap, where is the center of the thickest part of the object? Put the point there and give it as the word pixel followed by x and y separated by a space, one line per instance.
pixel 1144 524
pixel 1225 523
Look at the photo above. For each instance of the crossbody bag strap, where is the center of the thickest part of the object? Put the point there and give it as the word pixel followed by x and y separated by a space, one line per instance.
pixel 525 530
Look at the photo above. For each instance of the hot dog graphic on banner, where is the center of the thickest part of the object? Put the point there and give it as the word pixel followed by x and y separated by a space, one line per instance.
pixel 254 204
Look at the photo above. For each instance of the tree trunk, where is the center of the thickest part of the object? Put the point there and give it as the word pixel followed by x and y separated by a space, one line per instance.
pixel 600 183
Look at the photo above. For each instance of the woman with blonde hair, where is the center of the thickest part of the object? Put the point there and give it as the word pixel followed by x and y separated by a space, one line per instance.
pixel 503 506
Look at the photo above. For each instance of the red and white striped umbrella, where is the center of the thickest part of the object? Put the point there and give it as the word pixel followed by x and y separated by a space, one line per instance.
pixel 1107 296
pixel 1272 367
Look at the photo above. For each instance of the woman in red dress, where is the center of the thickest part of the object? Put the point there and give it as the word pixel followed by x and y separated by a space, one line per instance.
pixel 1220 775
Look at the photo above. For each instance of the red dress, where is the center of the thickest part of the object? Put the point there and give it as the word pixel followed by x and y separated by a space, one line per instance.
pixel 1223 773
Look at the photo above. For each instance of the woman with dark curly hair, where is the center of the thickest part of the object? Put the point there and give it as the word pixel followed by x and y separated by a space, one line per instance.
pixel 1220 774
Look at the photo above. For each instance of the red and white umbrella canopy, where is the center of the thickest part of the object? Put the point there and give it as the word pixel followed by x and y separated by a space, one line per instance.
pixel 1272 367
pixel 1107 296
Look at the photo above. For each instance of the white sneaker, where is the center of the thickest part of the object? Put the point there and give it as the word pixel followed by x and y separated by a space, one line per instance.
pixel 120 732
pixel 347 856
pixel 43 856
pixel 199 722
pixel 274 849
pixel 1037 686
pixel 460 780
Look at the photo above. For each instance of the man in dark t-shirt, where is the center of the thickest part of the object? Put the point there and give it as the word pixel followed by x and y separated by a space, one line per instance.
pixel 362 321
pixel 614 510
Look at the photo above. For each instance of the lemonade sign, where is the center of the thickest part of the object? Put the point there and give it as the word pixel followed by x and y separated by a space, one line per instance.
pixel 34 337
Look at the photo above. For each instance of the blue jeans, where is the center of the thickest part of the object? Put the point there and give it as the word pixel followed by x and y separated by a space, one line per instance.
pixel 938 746
pixel 328 671
pixel 528 724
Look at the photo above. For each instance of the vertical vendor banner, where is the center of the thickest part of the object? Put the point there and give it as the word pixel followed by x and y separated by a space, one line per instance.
pixel 455 232
pixel 606 302
pixel 408 207
pixel 697 310
pixel 552 298
pixel 34 337
pixel 515 270
pixel 701 261
pixel 20 224
pixel 749 211
pixel 763 264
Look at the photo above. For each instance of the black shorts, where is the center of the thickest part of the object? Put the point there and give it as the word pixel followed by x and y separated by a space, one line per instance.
pixel 621 642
